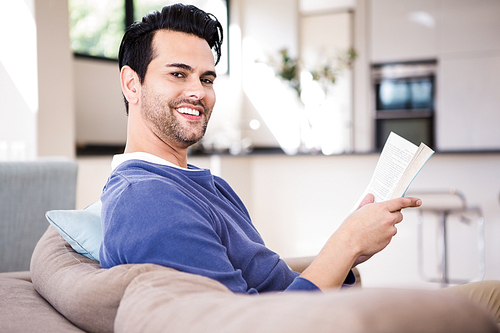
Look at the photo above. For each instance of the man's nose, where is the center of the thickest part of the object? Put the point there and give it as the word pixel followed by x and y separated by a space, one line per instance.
pixel 195 89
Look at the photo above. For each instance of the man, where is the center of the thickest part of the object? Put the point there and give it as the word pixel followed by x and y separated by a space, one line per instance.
pixel 159 209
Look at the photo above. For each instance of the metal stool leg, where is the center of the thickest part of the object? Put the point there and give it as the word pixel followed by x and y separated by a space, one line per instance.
pixel 443 267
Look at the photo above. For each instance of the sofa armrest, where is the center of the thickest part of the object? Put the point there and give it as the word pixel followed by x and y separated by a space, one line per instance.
pixel 166 302
pixel 299 264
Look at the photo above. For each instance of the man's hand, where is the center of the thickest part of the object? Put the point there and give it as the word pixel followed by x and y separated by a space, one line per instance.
pixel 371 227
pixel 366 231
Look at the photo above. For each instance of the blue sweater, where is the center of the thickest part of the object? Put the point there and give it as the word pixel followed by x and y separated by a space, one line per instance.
pixel 189 220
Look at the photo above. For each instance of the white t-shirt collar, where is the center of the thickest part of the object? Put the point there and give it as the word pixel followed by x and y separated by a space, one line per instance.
pixel 120 158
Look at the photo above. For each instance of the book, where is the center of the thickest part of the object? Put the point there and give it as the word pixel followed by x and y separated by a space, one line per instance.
pixel 398 165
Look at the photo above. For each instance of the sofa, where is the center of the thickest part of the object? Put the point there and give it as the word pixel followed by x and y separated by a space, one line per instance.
pixel 27 190
pixel 66 291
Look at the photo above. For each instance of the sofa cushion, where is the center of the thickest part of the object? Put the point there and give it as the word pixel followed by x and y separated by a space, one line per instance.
pixel 76 286
pixel 153 303
pixel 80 228
pixel 24 310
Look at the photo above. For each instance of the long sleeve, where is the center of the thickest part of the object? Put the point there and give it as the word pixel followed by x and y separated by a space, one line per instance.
pixel 198 227
pixel 190 221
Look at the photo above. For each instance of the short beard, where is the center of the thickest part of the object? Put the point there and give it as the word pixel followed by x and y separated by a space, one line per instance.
pixel 161 115
pixel 178 132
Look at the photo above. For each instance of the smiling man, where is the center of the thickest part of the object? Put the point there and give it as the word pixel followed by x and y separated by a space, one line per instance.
pixel 159 209
pixel 172 104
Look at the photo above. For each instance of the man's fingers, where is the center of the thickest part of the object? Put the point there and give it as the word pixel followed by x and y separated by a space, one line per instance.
pixel 369 198
pixel 405 202
pixel 398 218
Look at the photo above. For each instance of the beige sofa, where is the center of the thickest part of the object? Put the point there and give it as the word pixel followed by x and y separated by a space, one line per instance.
pixel 67 292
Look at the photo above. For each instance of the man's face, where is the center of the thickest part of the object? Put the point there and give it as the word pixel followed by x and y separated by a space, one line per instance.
pixel 177 95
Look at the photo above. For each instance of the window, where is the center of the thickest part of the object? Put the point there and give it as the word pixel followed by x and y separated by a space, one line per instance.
pixel 97 26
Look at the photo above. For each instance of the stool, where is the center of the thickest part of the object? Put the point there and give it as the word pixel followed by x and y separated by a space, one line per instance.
pixel 444 204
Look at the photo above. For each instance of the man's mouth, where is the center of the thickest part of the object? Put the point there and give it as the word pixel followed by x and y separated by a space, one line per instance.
pixel 189 111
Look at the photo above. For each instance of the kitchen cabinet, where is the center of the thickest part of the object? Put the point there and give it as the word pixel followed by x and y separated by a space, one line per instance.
pixel 468 113
pixel 468 28
pixel 403 30
pixel 423 29
pixel 468 107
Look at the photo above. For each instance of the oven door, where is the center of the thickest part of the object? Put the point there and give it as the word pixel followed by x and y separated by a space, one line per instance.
pixel 405 94
pixel 404 102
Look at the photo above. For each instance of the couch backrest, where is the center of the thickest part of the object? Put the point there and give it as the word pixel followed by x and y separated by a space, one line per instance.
pixel 27 190
pixel 78 287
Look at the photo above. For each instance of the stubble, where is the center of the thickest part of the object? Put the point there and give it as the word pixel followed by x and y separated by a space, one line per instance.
pixel 161 115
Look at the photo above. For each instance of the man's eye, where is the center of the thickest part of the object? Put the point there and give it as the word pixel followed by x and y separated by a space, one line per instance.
pixel 207 81
pixel 178 74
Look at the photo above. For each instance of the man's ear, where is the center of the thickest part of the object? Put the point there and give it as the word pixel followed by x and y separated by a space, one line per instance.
pixel 130 84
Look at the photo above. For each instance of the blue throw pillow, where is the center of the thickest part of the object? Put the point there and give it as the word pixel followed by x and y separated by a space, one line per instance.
pixel 80 228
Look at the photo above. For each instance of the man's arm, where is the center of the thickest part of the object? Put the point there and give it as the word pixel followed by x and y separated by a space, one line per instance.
pixel 149 222
pixel 365 232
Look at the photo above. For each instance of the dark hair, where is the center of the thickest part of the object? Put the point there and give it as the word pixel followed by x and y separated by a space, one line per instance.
pixel 136 48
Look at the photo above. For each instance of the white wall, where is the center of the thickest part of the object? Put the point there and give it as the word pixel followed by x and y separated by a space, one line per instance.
pixel 36 99
pixel 100 111
pixel 318 6
pixel 263 34
pixel 18 81
pixel 363 123
pixel 56 115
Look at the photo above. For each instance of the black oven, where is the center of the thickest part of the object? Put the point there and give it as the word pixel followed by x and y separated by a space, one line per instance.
pixel 405 101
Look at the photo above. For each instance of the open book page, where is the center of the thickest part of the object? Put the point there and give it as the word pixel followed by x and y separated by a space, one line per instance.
pixel 419 159
pixel 399 163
